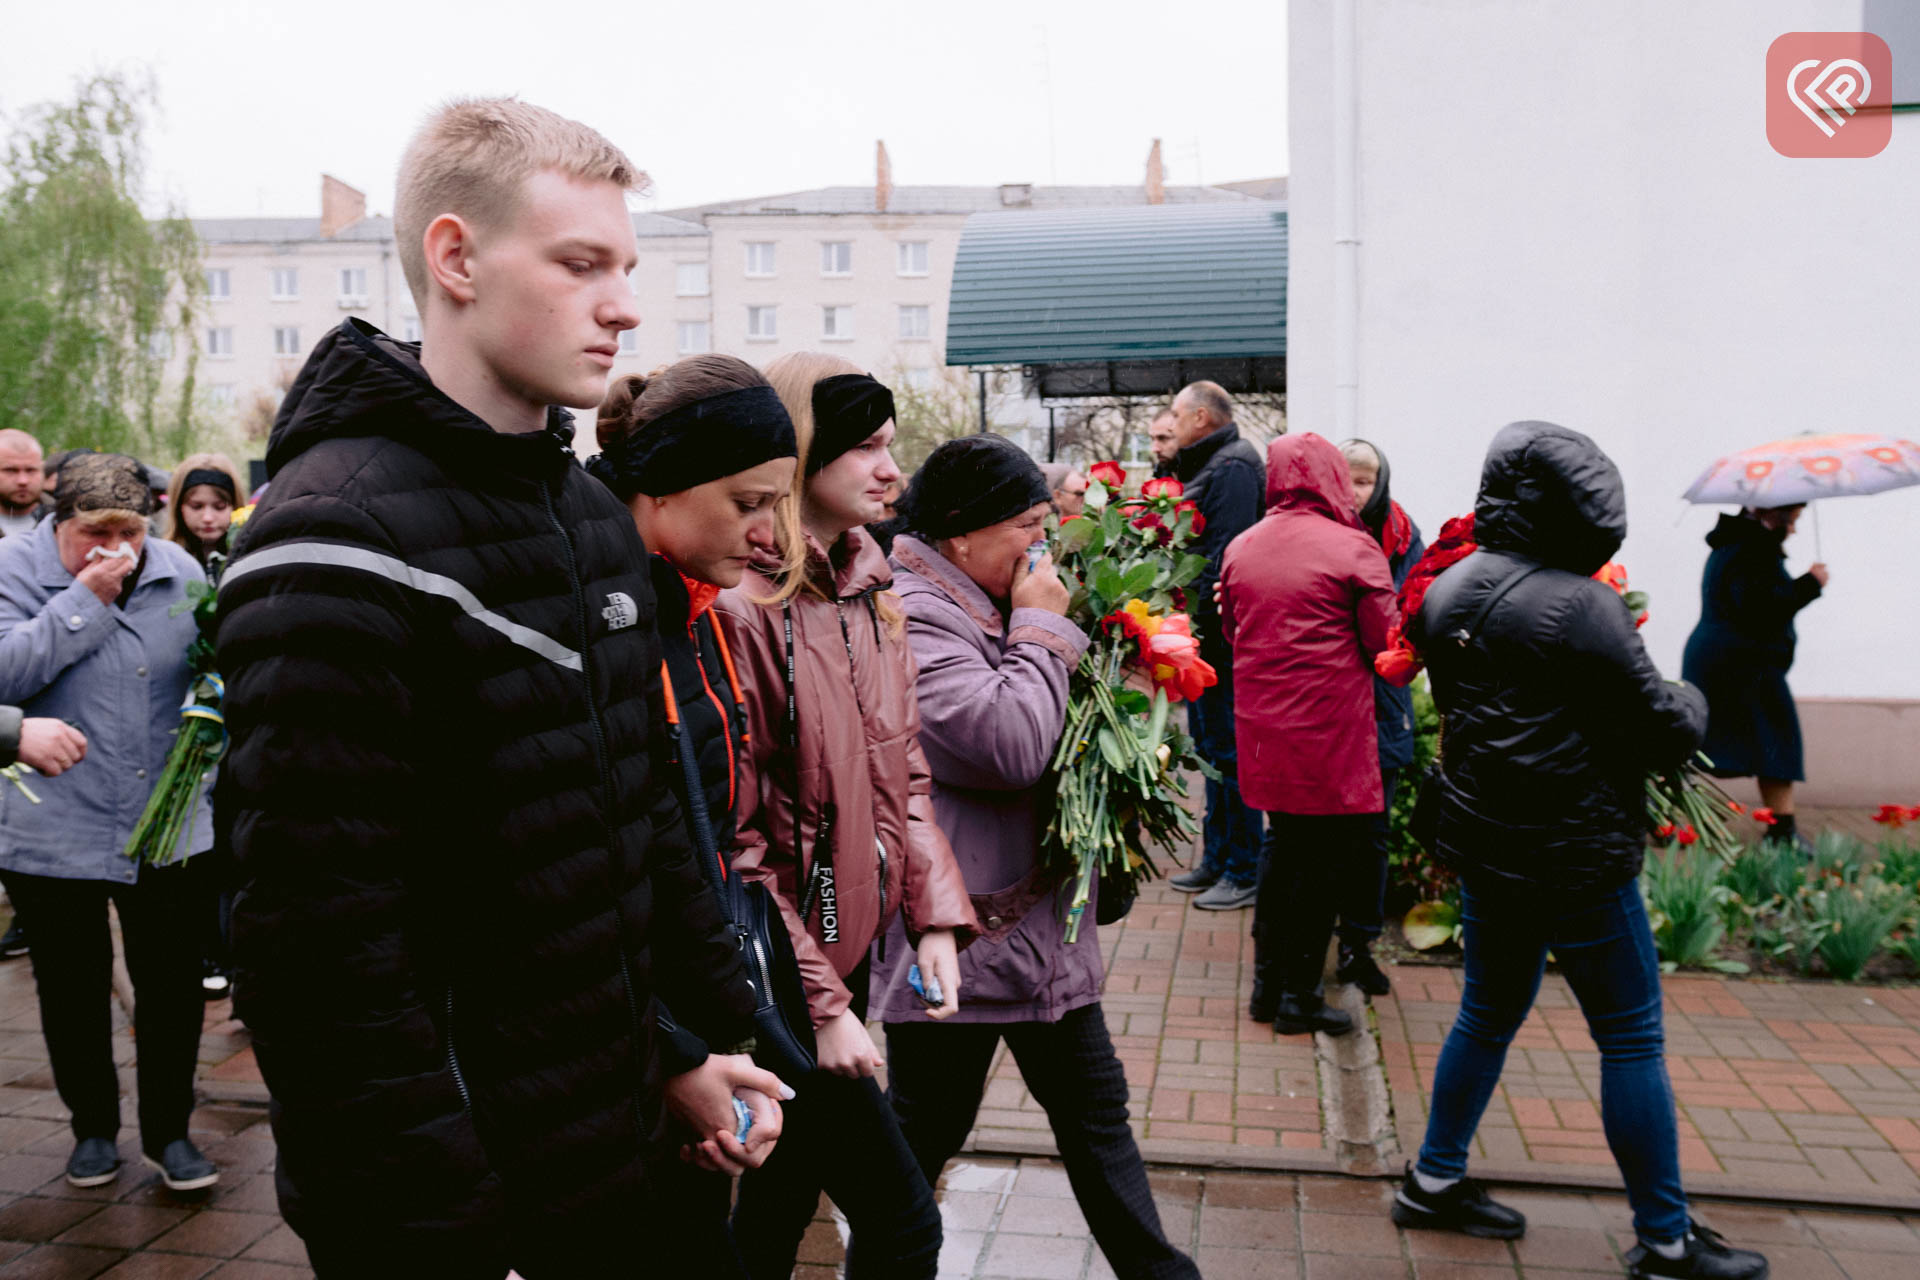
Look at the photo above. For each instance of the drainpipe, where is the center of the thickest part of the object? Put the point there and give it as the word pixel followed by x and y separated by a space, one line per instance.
pixel 1346 219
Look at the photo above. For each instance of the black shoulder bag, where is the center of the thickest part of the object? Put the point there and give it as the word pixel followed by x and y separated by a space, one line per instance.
pixel 1423 824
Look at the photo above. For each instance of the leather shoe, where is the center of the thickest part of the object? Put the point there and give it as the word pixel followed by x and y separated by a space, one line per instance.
pixel 94 1163
pixel 1303 1015
pixel 182 1167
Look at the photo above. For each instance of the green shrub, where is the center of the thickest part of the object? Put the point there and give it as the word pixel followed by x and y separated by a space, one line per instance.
pixel 1859 917
pixel 1408 864
pixel 1684 897
pixel 1900 862
pixel 1759 878
pixel 1792 929
pixel 1839 858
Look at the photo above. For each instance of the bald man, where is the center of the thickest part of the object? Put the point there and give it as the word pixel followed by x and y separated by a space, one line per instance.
pixel 21 480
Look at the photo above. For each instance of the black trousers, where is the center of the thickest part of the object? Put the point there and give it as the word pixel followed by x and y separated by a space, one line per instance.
pixel 840 1136
pixel 937 1074
pixel 1308 859
pixel 160 925
pixel 1364 890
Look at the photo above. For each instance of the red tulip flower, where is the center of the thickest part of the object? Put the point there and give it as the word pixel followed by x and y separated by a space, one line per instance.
pixel 1764 817
pixel 1664 831
pixel 1893 815
pixel 1162 487
pixel 1736 806
pixel 1110 474
pixel 1687 835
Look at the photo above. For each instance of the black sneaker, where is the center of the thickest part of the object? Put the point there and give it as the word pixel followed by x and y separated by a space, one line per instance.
pixel 1464 1207
pixel 1708 1257
pixel 1298 1016
pixel 14 942
pixel 1357 968
pixel 182 1167
pixel 1261 1005
pixel 94 1163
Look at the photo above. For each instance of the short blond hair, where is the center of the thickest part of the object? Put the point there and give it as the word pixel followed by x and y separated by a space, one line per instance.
pixel 473 157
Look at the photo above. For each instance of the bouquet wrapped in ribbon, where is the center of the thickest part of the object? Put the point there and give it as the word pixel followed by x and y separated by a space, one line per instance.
pixel 198 744
pixel 1117 789
pixel 1684 804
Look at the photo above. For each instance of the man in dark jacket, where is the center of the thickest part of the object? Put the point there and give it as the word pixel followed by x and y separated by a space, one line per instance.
pixel 467 892
pixel 1224 477
pixel 1553 715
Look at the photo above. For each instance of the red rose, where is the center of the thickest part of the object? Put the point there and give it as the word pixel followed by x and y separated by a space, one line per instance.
pixel 1664 831
pixel 1149 523
pixel 1163 487
pixel 1199 521
pixel 1109 474
pixel 1687 835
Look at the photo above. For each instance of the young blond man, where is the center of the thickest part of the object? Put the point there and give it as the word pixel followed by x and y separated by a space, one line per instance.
pixel 468 894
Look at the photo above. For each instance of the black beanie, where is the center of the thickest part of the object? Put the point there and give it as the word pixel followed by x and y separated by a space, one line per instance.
pixel 970 483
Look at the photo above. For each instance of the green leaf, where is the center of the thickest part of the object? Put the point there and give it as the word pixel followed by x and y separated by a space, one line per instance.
pixel 1133 702
pixel 1107 583
pixel 1075 535
pixel 1139 579
pixel 1188 569
pixel 1110 748
pixel 1429 925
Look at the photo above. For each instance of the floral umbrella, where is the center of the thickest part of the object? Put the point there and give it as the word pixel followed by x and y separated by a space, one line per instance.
pixel 1788 472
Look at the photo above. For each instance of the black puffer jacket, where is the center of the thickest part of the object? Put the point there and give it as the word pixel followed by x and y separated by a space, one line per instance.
pixel 1553 716
pixel 464 880
pixel 1225 477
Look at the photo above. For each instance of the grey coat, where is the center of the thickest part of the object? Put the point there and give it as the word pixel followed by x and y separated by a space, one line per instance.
pixel 993 702
pixel 119 676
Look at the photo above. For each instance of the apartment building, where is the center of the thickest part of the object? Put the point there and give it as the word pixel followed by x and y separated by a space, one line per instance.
pixel 862 271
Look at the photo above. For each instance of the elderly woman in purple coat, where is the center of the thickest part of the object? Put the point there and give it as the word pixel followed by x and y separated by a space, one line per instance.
pixel 986 622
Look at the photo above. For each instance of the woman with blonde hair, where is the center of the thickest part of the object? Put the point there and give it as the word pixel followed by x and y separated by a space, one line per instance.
pixel 835 818
pixel 205 491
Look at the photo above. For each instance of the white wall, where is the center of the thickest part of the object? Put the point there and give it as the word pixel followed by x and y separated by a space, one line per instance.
pixel 1571 212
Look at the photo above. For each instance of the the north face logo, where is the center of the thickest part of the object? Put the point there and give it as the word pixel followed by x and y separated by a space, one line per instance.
pixel 620 612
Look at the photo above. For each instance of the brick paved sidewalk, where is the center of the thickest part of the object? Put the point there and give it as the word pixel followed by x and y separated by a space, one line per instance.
pixel 1017 1221
pixel 1793 1089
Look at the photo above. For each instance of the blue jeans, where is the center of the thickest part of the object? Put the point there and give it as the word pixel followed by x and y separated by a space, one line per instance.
pixel 1230 837
pixel 1605 948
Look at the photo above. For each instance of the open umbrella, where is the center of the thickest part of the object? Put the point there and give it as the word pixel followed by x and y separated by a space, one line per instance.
pixel 1806 468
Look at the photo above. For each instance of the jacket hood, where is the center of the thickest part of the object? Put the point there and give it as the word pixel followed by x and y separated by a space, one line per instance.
pixel 358 382
pixel 1306 473
pixel 1736 530
pixel 1550 494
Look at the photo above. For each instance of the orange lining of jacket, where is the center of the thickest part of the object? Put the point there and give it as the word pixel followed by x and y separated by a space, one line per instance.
pixel 700 598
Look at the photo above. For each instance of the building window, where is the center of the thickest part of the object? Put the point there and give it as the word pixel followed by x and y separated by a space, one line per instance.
pixel 913 257
pixel 353 286
pixel 915 322
pixel 693 338
pixel 220 395
pixel 409 328
pixel 836 323
pixel 690 279
pixel 286 340
pixel 760 258
pixel 286 283
pixel 629 341
pixel 220 342
pixel 760 323
pixel 219 284
pixel 836 257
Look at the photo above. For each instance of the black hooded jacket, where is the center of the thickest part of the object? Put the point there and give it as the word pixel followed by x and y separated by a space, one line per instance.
pixel 464 878
pixel 1553 715
pixel 1224 477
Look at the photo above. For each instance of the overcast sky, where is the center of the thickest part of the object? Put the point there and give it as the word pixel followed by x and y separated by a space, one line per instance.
pixel 715 100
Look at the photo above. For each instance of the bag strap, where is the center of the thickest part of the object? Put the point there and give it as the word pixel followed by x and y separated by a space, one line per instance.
pixel 1467 634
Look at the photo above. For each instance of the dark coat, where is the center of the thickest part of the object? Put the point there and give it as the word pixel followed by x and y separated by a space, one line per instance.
pixel 1741 649
pixel 1307 602
pixel 1393 703
pixel 1554 715
pixel 1224 477
pixel 458 858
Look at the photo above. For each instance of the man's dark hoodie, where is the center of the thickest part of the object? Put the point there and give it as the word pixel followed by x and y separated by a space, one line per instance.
pixel 465 879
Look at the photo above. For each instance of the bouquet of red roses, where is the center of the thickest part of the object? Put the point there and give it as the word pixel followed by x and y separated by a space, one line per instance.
pixel 1116 787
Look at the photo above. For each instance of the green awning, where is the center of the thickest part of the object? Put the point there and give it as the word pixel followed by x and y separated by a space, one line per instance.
pixel 1089 287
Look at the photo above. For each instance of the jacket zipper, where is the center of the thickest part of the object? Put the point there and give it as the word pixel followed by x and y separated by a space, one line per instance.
pixel 606 801
pixel 453 1060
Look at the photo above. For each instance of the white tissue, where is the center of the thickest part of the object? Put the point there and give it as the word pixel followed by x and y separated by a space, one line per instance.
pixel 121 552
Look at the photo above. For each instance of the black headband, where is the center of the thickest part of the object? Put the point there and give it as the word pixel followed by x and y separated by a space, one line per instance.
pixel 722 435
pixel 847 408
pixel 210 475
pixel 970 483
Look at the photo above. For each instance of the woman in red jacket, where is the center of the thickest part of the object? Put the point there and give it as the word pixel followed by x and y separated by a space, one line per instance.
pixel 835 816
pixel 1306 601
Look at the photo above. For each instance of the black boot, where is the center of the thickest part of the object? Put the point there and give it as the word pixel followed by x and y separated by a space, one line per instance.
pixel 1706 1257
pixel 1464 1207
pixel 1299 1015
pixel 1357 968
